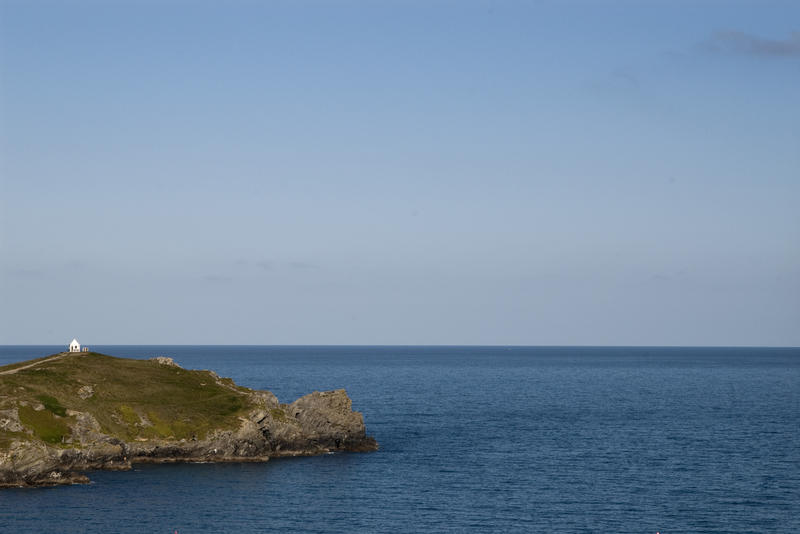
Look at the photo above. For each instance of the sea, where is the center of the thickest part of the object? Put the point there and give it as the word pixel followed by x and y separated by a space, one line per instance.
pixel 477 439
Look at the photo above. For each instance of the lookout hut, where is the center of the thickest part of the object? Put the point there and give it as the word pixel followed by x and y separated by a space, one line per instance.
pixel 74 346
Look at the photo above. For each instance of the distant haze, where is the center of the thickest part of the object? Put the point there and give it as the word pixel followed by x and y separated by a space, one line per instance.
pixel 534 173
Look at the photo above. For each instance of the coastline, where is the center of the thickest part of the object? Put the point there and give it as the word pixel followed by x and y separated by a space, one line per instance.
pixel 102 432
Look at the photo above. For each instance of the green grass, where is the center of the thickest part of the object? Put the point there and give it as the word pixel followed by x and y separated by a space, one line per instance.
pixel 129 415
pixel 45 425
pixel 178 403
pixel 51 404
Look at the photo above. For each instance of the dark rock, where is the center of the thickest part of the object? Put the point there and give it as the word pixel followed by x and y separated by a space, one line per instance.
pixel 317 423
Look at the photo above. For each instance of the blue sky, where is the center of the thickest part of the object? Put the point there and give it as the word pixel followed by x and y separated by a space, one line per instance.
pixel 539 173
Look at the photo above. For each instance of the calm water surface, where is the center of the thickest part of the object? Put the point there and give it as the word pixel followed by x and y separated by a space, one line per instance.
pixel 480 439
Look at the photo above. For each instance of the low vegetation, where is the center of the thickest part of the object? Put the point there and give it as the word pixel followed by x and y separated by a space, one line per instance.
pixel 129 398
pixel 44 424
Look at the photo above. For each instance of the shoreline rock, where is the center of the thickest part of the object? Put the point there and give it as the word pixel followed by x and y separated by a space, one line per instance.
pixel 317 423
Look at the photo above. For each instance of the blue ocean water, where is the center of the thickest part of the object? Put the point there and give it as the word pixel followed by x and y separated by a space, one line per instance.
pixel 478 439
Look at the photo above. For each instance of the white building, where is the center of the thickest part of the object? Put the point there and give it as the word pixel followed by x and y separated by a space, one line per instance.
pixel 74 346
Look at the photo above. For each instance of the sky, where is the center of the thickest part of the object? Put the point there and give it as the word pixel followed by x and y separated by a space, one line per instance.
pixel 400 172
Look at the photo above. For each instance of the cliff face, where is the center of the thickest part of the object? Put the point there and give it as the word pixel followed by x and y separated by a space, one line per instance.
pixel 69 413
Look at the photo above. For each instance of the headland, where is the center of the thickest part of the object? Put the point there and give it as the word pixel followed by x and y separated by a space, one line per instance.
pixel 73 412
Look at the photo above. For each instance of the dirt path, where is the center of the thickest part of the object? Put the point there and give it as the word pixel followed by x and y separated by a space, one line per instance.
pixel 34 364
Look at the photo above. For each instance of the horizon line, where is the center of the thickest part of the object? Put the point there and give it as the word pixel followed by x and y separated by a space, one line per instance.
pixel 400 345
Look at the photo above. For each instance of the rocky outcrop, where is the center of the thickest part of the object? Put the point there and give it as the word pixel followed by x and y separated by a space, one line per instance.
pixel 164 360
pixel 317 423
pixel 9 420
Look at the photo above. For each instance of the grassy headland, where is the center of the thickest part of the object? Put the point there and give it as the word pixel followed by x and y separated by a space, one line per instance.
pixel 73 412
pixel 131 399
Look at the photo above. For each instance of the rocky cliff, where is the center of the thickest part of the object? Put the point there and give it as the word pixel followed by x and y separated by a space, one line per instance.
pixel 66 414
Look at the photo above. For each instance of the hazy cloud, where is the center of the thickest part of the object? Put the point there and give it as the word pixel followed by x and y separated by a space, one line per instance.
pixel 25 273
pixel 620 81
pixel 215 278
pixel 270 265
pixel 625 78
pixel 737 42
pixel 301 265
